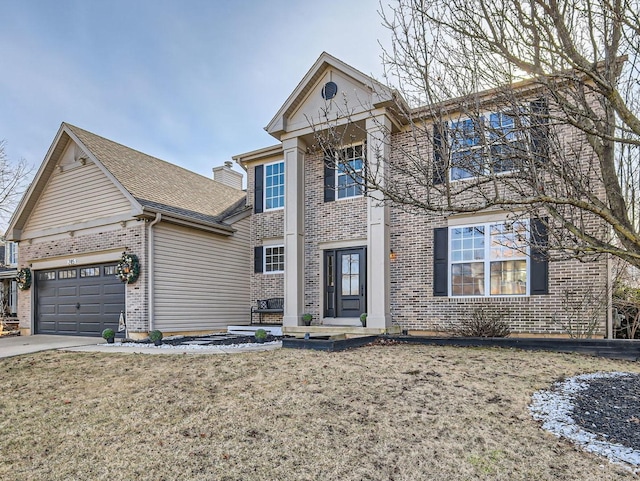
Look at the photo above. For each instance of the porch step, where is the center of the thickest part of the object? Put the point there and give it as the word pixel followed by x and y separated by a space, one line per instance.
pixel 335 331
pixel 250 330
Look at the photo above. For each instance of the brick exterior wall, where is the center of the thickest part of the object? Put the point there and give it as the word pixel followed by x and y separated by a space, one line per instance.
pixel 337 221
pixel 574 287
pixel 266 227
pixel 133 237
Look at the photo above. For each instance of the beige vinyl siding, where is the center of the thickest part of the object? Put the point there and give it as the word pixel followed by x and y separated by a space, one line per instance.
pixel 77 195
pixel 201 280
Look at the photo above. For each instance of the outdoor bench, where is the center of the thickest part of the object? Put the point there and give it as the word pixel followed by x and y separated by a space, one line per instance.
pixel 266 306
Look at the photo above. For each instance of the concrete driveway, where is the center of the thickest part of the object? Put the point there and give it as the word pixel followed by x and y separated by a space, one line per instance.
pixel 17 345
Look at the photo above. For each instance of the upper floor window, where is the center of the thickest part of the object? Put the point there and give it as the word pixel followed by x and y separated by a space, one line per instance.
pixel 487 144
pixel 489 259
pixel 274 185
pixel 268 184
pixel 11 254
pixel 349 167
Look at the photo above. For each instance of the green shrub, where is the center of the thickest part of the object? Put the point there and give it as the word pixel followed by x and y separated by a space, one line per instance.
pixel 260 334
pixel 155 336
pixel 108 334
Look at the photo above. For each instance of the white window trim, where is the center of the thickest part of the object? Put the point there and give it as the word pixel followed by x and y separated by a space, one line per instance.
pixel 487 262
pixel 264 194
pixel 9 247
pixel 486 119
pixel 337 159
pixel 264 258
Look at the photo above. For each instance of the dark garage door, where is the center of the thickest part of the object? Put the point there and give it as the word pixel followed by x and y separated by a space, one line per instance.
pixel 78 300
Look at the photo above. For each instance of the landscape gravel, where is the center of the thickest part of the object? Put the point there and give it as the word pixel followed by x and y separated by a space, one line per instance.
pixel 600 412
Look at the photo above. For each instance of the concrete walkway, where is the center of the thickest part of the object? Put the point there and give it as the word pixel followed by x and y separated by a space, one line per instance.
pixel 19 345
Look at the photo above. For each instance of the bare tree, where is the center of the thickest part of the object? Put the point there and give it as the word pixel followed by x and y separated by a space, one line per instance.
pixel 526 106
pixel 14 178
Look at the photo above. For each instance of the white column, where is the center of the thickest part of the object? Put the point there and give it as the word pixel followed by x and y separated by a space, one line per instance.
pixel 378 267
pixel 293 231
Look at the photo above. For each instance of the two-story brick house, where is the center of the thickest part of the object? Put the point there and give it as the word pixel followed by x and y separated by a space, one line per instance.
pixel 335 253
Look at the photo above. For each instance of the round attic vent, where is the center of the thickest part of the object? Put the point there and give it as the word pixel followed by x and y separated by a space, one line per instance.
pixel 329 90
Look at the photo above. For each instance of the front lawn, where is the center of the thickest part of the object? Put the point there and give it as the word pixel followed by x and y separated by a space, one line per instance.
pixel 376 413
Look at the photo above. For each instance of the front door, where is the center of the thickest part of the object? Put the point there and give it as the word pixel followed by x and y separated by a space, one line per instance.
pixel 345 282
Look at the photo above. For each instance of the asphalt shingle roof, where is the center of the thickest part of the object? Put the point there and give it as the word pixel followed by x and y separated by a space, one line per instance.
pixel 158 184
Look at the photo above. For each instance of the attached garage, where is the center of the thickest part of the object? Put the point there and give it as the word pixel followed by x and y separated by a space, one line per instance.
pixel 78 300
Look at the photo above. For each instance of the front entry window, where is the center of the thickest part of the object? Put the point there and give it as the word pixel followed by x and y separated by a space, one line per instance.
pixel 350 274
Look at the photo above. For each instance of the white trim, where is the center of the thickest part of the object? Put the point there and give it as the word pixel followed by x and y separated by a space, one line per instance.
pixel 486 261
pixel 11 250
pixel 77 259
pixel 338 159
pixel 264 258
pixel 485 118
pixel 264 188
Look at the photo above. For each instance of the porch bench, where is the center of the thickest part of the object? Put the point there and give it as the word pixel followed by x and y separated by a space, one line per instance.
pixel 267 306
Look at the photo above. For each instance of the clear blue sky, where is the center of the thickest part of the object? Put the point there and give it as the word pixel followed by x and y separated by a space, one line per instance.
pixel 192 82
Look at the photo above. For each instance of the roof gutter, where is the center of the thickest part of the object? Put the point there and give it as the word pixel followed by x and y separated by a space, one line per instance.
pixel 150 267
pixel 187 221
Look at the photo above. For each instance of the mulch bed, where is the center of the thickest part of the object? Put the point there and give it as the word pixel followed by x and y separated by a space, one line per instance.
pixel 610 409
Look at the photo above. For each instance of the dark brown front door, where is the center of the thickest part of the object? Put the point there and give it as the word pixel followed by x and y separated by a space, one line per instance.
pixel 345 282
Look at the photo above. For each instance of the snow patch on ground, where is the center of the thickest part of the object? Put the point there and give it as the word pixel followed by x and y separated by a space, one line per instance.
pixel 192 347
pixel 554 408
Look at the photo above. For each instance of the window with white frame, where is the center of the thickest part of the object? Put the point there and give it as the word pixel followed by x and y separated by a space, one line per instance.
pixel 485 145
pixel 11 254
pixel 489 259
pixel 274 185
pixel 274 258
pixel 349 172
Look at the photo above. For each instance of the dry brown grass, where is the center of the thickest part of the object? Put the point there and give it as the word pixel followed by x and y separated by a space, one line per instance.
pixel 375 413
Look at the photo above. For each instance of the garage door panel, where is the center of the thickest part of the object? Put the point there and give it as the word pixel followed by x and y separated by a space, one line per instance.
pixel 111 309
pixel 92 290
pixel 67 309
pixel 113 289
pixel 68 291
pixel 87 309
pixel 101 299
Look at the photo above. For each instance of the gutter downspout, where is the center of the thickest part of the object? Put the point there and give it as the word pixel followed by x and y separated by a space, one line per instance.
pixel 150 268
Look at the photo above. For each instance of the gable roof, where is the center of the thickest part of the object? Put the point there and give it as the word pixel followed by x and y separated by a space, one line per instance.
pixel 157 183
pixel 152 185
pixel 380 93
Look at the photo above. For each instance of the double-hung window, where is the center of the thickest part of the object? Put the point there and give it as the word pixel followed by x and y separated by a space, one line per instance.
pixel 489 259
pixel 466 149
pixel 486 145
pixel 274 259
pixel 349 172
pixel 274 185
pixel 11 254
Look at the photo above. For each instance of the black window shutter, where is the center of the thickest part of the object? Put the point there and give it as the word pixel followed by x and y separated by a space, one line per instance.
pixel 439 161
pixel 257 259
pixel 540 129
pixel 440 261
pixel 258 181
pixel 329 178
pixel 539 262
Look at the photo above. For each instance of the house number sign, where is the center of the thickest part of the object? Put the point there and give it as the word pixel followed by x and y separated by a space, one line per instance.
pixel 72 262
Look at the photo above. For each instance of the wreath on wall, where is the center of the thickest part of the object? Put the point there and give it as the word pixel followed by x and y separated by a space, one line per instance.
pixel 128 268
pixel 23 278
